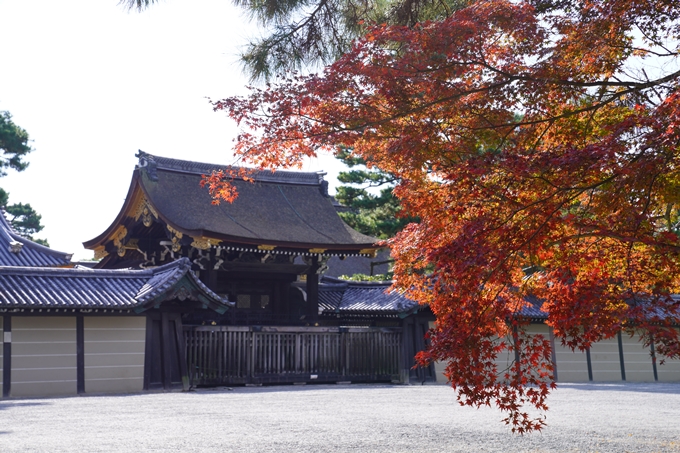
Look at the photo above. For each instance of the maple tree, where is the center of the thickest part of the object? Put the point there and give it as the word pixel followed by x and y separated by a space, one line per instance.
pixel 538 143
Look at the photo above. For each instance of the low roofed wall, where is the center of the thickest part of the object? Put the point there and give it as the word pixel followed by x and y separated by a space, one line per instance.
pixel 114 354
pixel 609 361
pixel 43 356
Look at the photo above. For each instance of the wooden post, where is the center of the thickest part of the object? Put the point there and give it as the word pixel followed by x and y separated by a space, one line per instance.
pixel 553 354
pixel 167 350
pixel 621 360
pixel 590 365
pixel 651 349
pixel 313 290
pixel 181 351
pixel 6 355
pixel 80 354
pixel 405 357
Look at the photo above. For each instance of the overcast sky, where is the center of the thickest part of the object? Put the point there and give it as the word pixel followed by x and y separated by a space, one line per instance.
pixel 93 83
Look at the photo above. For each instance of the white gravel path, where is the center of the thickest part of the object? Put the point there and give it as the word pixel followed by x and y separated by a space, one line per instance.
pixel 620 417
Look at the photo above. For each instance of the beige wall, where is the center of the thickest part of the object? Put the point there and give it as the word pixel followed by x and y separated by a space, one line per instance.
pixel 669 371
pixel 573 366
pixel 637 360
pixel 114 354
pixel 604 358
pixel 43 356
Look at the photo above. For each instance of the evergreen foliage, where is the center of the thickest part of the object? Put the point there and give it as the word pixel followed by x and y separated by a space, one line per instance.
pixel 14 146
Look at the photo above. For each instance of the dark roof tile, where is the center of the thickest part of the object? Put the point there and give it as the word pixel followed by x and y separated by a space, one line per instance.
pixel 26 287
pixel 280 208
pixel 16 250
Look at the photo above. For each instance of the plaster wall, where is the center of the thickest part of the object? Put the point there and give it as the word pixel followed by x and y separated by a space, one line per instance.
pixel 637 360
pixel 43 356
pixel 669 371
pixel 572 366
pixel 114 354
pixel 604 357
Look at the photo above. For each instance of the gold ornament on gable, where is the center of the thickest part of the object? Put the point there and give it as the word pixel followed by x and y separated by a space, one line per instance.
pixel 204 243
pixel 176 238
pixel 145 211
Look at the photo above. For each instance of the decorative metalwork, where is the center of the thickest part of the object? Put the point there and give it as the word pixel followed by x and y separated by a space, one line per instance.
pixel 183 293
pixel 176 238
pixel 144 210
pixel 100 253
pixel 369 252
pixel 266 247
pixel 118 238
pixel 319 251
pixel 204 243
pixel 203 259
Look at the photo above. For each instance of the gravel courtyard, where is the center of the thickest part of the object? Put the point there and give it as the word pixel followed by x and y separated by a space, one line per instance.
pixel 341 418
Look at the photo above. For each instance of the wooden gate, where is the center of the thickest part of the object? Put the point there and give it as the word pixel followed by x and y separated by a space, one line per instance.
pixel 225 355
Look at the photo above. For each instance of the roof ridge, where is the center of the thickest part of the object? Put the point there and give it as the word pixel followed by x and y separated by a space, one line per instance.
pixel 75 272
pixel 152 163
pixel 9 230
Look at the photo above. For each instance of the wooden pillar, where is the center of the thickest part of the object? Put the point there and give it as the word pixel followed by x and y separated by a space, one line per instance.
pixel 80 354
pixel 313 289
pixel 407 350
pixel 621 360
pixel 6 355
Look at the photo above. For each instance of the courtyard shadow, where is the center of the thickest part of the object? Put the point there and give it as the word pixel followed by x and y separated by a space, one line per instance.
pixel 636 387
pixel 10 404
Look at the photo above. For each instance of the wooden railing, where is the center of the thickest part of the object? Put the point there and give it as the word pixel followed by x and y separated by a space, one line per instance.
pixel 224 355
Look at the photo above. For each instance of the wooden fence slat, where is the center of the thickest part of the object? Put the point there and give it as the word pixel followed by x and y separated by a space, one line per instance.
pixel 223 355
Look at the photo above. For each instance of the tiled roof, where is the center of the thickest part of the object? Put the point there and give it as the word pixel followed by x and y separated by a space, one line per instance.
pixel 282 209
pixel 533 310
pixel 24 287
pixel 19 251
pixel 153 163
pixel 338 296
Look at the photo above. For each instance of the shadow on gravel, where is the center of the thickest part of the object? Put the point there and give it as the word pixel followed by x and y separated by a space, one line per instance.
pixel 670 388
pixel 294 388
pixel 10 404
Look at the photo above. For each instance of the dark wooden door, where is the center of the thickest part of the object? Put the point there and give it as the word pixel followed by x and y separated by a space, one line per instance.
pixel 414 342
pixel 165 363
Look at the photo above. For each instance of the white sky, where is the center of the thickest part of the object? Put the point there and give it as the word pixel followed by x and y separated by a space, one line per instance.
pixel 93 83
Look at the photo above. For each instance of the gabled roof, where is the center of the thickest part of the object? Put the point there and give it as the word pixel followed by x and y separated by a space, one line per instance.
pixel 280 209
pixel 16 250
pixel 46 288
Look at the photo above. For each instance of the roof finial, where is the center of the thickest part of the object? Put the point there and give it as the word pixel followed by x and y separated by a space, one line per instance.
pixel 15 246
pixel 147 161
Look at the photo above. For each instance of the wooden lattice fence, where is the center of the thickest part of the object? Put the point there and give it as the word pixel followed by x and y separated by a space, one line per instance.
pixel 224 355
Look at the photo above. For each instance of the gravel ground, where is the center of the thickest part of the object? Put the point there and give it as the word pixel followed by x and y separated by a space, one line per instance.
pixel 341 418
